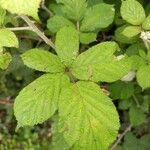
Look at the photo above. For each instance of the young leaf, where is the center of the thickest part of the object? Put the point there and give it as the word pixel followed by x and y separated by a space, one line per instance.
pixel 8 38
pixel 38 101
pixel 67 44
pixel 5 59
pixel 98 64
pixel 143 76
pixel 133 12
pixel 131 31
pixel 74 9
pixel 55 23
pixel 88 118
pixel 22 7
pixel 42 60
pixel 97 17
pixel 86 38
pixel 146 23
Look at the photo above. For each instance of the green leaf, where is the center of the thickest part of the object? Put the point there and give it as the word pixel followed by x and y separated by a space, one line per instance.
pixel 146 23
pixel 22 7
pixel 42 60
pixel 5 59
pixel 67 44
pixel 136 115
pixel 88 118
pixel 125 104
pixel 94 2
pixel 74 9
pixel 143 76
pixel 38 101
pixel 131 31
pixel 121 90
pixel 55 23
pixel 97 17
pixel 133 12
pixel 99 64
pixel 119 36
pixel 8 38
pixel 135 48
pixel 136 62
pixel 2 16
pixel 86 38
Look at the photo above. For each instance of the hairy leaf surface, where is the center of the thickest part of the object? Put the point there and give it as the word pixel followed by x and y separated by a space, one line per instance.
pixel 88 118
pixel 38 101
pixel 67 44
pixel 99 64
pixel 42 60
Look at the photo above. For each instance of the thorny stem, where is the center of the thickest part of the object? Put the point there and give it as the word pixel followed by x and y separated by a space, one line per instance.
pixel 37 31
pixel 121 137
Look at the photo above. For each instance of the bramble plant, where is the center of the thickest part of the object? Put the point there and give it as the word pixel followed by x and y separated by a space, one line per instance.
pixel 74 67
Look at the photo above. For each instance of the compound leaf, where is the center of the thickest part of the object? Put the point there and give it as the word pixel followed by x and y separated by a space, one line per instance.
pixel 67 44
pixel 8 38
pixel 42 60
pixel 88 118
pixel 97 17
pixel 38 101
pixel 22 7
pixel 133 12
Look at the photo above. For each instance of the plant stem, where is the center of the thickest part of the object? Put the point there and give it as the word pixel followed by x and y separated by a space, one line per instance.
pixel 136 100
pixel 147 45
pixel 78 26
pixel 46 9
pixel 19 28
pixel 37 31
pixel 121 137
